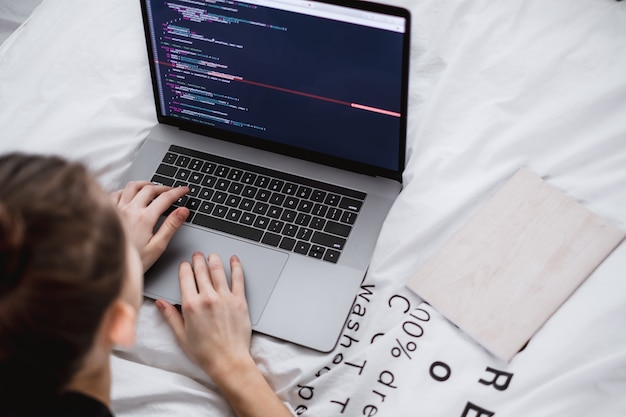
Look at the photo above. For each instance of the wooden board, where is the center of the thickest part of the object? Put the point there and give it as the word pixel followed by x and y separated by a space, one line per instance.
pixel 514 263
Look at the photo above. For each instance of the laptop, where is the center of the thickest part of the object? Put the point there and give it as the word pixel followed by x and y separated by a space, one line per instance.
pixel 287 120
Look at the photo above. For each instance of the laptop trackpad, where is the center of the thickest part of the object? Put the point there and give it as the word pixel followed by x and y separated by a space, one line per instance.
pixel 262 266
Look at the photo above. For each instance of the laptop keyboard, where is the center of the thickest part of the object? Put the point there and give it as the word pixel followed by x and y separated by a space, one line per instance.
pixel 282 210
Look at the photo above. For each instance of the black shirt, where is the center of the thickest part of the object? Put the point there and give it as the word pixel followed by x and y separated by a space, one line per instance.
pixel 69 404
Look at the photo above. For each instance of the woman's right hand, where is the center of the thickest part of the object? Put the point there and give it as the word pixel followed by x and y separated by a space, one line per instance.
pixel 214 328
pixel 215 332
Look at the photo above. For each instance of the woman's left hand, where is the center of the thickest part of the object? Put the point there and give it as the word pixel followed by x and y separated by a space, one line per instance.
pixel 141 203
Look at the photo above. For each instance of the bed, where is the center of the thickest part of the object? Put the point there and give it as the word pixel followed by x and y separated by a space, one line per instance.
pixel 494 87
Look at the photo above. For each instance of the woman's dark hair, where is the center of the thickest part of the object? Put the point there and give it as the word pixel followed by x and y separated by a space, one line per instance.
pixel 62 263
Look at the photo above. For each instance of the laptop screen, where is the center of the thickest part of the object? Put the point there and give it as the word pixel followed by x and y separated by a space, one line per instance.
pixel 313 79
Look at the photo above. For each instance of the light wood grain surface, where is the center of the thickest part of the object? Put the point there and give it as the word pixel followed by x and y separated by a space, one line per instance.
pixel 514 263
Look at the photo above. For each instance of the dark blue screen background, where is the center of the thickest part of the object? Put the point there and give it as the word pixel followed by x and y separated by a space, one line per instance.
pixel 329 59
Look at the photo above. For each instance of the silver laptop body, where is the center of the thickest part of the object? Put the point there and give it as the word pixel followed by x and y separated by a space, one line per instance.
pixel 220 95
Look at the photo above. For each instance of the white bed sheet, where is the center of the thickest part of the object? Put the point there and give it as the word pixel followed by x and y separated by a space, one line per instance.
pixel 494 86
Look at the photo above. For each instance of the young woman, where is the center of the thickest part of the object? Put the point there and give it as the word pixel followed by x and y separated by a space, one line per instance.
pixel 71 270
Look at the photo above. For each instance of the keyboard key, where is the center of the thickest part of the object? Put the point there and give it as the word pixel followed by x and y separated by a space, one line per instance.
pixel 194 190
pixel 275 226
pixel 276 185
pixel 317 223
pixel 170 158
pixel 261 222
pixel 206 193
pixel 271 239
pixel 304 192
pixel 334 213
pixel 248 178
pixel 302 247
pixel 219 197
pixel 332 256
pixel 328 240
pixel 221 171
pixel 207 207
pixel 195 164
pixel 350 204
pixel 289 216
pixel 303 219
pixel 246 204
pixel 290 189
pixel 290 230
pixel 332 199
pixel 274 212
pixel 209 181
pixel 209 167
pixel 305 206
pixel 262 195
pixel 235 188
pixel 235 174
pixel 182 161
pixel 247 218
pixel 337 228
pixel 260 208
pixel 181 201
pixel 287 243
pixel 291 203
pixel 166 170
pixel 233 215
pixel 348 217
pixel 261 181
pixel 249 191
pixel 277 199
pixel 222 184
pixel 196 177
pixel 318 196
pixel 233 200
pixel 219 211
pixel 304 233
pixel 159 179
pixel 236 229
pixel 182 174
pixel 317 251
pixel 319 210
pixel 192 204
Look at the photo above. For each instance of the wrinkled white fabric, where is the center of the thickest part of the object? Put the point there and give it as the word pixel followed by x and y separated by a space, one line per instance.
pixel 494 86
